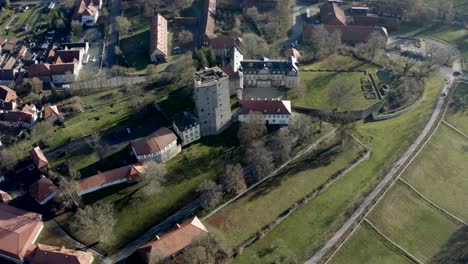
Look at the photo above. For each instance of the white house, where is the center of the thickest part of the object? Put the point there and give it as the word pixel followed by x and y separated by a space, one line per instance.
pixel 87 12
pixel 160 146
pixel 187 127
pixel 271 111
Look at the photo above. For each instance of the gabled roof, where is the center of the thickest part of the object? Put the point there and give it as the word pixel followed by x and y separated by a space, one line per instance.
pixel 4 197
pixel 39 160
pixel 39 70
pixel 51 111
pixel 42 189
pixel 265 107
pixel 282 66
pixel 67 56
pixel 171 243
pixel 29 108
pixel 90 11
pixel 292 52
pixel 18 231
pixel 9 64
pixel 154 142
pixel 7 94
pixel 158 34
pixel 17 116
pixel 348 33
pixel 130 173
pixel 224 42
pixel 332 14
pixel 62 68
pixel 44 254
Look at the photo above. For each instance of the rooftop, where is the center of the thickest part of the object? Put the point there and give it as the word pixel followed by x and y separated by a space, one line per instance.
pixel 42 189
pixel 39 160
pixel 154 142
pixel 44 254
pixel 130 173
pixel 265 106
pixel 184 120
pixel 209 76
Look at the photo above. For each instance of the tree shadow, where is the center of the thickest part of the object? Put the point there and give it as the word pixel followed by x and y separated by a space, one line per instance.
pixel 455 250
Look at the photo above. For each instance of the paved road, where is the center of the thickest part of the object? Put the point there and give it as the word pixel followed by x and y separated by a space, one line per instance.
pixel 113 35
pixel 391 176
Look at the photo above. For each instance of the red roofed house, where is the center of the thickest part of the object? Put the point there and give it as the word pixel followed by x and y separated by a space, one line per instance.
pixel 41 71
pixel 390 23
pixel 161 146
pixel 271 111
pixel 19 230
pixel 43 190
pixel 332 14
pixel 51 113
pixel 44 254
pixel 17 119
pixel 158 38
pixel 30 109
pixel 39 160
pixel 105 179
pixel 7 97
pixel 173 242
pixel 87 11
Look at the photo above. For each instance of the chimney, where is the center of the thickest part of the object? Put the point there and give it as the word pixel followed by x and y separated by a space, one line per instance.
pixel 157 237
pixel 178 226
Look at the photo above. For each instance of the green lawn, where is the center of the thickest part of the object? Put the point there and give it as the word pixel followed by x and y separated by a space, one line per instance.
pixel 443 163
pixel 457 114
pixel 412 223
pixel 304 232
pixel 245 217
pixel 135 50
pixel 50 236
pixel 317 84
pixel 367 246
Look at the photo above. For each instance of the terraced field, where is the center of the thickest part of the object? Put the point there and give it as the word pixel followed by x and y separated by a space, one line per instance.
pixel 457 113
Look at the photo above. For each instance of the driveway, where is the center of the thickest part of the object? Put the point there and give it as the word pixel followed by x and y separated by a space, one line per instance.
pixel 113 37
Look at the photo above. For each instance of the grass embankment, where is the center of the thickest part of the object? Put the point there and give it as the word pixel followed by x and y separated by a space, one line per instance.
pixel 318 84
pixel 245 217
pixel 412 223
pixel 457 114
pixel 443 164
pixel 367 246
pixel 300 235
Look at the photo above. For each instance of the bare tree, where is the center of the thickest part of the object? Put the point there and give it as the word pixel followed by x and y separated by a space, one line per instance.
pixel 282 144
pixel 303 127
pixel 77 29
pixel 67 195
pixel 254 46
pixel 122 25
pixel 345 124
pixel 207 249
pixel 97 145
pixel 153 176
pixel 339 91
pixel 233 179
pixel 376 42
pixel 185 37
pixel 253 130
pixel 259 156
pixel 69 4
pixel 97 220
pixel 152 71
pixel 42 132
pixel 210 194
pixel 7 160
pixel 323 42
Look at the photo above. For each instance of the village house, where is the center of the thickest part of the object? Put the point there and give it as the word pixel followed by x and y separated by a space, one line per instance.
pixel 16 118
pixel 4 197
pixel 160 146
pixel 390 23
pixel 10 45
pixel 44 254
pixel 43 190
pixel 349 34
pixel 173 242
pixel 332 14
pixel 108 178
pixel 8 98
pixel 87 12
pixel 32 110
pixel 19 229
pixel 158 39
pixel 51 113
pixel 271 111
pixel 292 52
pixel 186 127
pixel 212 101
pixel 39 159
pixel 270 73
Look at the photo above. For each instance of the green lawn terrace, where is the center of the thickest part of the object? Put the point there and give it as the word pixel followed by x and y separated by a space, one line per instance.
pixel 457 114
pixel 13 22
pixel 318 84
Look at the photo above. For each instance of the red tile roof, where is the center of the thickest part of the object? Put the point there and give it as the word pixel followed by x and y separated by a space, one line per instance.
pixel 158 34
pixel 67 56
pixel 40 161
pixel 51 111
pixel 4 197
pixel 9 64
pixel 266 107
pixel 332 14
pixel 39 70
pixel 224 42
pixel 130 173
pixel 7 94
pixel 348 33
pixel 18 231
pixel 42 189
pixel 44 254
pixel 174 241
pixel 17 116
pixel 62 68
pixel 154 142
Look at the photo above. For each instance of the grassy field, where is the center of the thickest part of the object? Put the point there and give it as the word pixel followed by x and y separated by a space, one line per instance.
pixel 457 114
pixel 412 223
pixel 240 220
pixel 367 246
pixel 50 236
pixel 443 163
pixel 136 214
pixel 300 235
pixel 317 84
